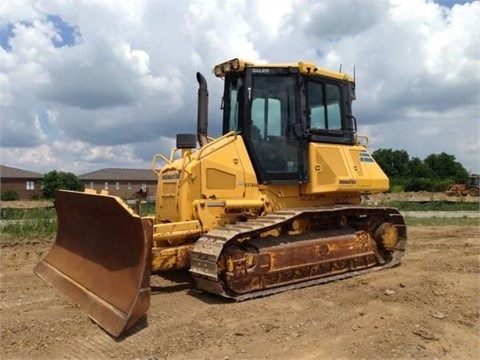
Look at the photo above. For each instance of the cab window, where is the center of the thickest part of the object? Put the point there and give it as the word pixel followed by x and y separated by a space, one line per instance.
pixel 324 106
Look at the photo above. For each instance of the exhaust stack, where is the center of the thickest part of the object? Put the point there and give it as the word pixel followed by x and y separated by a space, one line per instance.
pixel 202 112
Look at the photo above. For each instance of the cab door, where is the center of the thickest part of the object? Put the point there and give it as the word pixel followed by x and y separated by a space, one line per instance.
pixel 271 115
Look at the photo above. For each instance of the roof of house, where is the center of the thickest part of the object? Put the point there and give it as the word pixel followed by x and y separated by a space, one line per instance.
pixel 120 174
pixel 8 172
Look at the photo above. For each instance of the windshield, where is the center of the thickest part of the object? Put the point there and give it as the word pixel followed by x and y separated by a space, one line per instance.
pixel 273 104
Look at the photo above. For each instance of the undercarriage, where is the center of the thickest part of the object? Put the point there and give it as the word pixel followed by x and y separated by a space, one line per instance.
pixel 297 248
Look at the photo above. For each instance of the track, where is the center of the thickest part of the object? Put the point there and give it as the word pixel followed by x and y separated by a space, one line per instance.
pixel 208 249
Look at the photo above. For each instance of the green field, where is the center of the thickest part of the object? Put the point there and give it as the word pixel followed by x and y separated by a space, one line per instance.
pixel 28 223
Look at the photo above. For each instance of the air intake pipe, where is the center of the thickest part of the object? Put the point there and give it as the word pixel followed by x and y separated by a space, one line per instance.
pixel 202 112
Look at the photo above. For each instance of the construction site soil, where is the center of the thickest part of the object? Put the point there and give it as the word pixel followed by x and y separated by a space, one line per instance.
pixel 427 308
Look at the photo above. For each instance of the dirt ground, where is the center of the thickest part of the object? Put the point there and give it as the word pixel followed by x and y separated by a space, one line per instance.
pixel 428 308
pixel 419 196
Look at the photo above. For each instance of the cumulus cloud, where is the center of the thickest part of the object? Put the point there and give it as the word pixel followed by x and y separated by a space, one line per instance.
pixel 86 85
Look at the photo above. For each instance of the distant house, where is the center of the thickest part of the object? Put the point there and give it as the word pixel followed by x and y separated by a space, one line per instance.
pixel 26 183
pixel 126 183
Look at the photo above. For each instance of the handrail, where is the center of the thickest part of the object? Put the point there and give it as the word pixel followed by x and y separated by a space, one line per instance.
pixel 154 162
pixel 202 149
pixel 185 156
pixel 357 137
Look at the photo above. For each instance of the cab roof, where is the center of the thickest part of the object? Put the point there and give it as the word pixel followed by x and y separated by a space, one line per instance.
pixel 304 67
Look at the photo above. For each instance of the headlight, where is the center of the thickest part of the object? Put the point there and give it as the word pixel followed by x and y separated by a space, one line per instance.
pixel 228 66
pixel 218 70
pixel 235 64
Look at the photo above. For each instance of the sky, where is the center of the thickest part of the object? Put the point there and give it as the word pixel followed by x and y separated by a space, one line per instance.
pixel 87 85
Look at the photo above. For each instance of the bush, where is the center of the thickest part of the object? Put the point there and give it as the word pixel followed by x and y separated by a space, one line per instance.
pixel 420 184
pixel 10 195
pixel 397 185
pixel 424 184
pixel 36 196
pixel 441 185
pixel 56 180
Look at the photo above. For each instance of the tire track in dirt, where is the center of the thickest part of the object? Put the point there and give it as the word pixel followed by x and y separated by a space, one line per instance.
pixel 98 346
pixel 163 315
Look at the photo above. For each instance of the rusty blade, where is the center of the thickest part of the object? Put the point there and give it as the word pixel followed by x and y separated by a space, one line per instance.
pixel 101 258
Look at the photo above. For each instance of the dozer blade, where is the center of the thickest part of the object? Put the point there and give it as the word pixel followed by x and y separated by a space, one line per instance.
pixel 101 258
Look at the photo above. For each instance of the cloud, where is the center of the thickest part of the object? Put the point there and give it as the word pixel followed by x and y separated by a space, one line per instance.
pixel 86 85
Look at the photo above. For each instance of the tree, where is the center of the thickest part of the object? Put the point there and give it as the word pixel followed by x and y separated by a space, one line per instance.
pixel 419 169
pixel 444 166
pixel 435 173
pixel 393 162
pixel 54 181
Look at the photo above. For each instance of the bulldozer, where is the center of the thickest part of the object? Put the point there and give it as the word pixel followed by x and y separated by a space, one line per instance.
pixel 469 187
pixel 273 204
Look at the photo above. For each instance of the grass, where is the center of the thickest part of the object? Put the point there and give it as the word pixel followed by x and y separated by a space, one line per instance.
pixel 438 221
pixel 396 188
pixel 28 223
pixel 26 214
pixel 30 229
pixel 147 209
pixel 432 206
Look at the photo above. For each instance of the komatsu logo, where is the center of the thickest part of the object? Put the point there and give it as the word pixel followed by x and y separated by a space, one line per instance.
pixel 171 176
pixel 348 182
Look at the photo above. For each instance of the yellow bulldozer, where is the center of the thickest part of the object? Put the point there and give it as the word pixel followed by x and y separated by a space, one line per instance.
pixel 271 205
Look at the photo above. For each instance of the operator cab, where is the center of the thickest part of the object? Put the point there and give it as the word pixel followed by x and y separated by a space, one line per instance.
pixel 278 109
